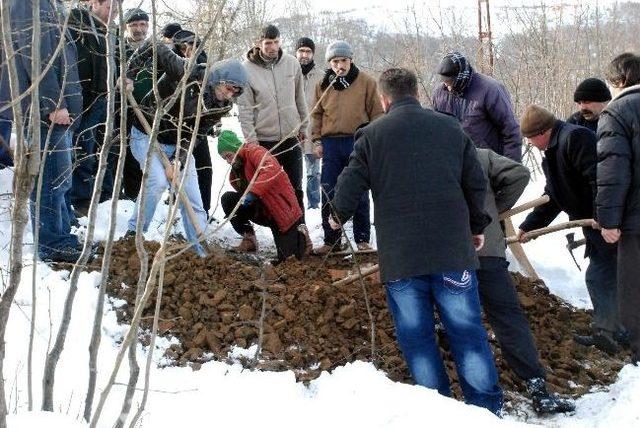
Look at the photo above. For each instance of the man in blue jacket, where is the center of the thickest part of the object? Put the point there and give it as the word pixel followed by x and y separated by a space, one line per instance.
pixel 60 108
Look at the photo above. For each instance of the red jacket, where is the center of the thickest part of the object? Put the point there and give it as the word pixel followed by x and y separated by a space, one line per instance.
pixel 272 185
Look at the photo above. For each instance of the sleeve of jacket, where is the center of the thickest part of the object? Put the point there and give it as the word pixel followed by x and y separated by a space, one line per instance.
pixel 541 216
pixel 508 179
pixel 301 99
pixel 583 155
pixel 246 105
pixel 474 187
pixel 500 111
pixel 316 115
pixel 266 173
pixel 353 181
pixel 614 169
pixel 373 104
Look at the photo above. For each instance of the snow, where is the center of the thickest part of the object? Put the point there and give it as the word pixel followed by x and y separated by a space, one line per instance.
pixel 356 394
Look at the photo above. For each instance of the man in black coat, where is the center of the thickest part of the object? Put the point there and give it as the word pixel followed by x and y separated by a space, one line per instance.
pixel 591 96
pixel 618 198
pixel 429 217
pixel 569 166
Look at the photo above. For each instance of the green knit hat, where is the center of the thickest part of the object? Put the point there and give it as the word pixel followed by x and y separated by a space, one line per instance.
pixel 228 141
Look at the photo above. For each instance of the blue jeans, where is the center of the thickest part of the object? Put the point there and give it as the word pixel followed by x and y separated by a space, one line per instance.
pixel 455 295
pixel 312 164
pixel 5 152
pixel 55 213
pixel 335 157
pixel 157 183
pixel 87 139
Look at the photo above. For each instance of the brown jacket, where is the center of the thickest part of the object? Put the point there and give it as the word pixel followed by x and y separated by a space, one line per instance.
pixel 341 112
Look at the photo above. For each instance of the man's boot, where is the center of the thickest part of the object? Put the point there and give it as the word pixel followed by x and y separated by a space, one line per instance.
pixel 308 245
pixel 545 403
pixel 602 340
pixel 249 244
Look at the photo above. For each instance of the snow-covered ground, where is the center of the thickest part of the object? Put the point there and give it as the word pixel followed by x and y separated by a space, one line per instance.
pixel 220 394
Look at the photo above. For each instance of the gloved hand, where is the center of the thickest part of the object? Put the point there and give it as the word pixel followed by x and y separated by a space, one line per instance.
pixel 249 198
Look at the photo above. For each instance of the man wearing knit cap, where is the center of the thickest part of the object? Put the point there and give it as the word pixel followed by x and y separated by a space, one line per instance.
pixel 591 96
pixel 569 165
pixel 480 103
pixel 273 109
pixel 263 195
pixel 137 24
pixel 312 74
pixel 348 100
pixel 168 31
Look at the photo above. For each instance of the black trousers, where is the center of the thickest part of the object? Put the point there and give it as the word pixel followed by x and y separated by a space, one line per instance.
pixel 289 154
pixel 202 156
pixel 629 288
pixel 511 327
pixel 289 243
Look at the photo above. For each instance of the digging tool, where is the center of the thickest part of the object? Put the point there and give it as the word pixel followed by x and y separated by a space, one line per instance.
pixel 356 276
pixel 524 207
pixel 165 161
pixel 550 229
pixel 572 244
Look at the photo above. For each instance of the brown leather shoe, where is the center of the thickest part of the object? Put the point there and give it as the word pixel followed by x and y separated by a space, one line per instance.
pixel 249 244
pixel 326 249
pixel 308 245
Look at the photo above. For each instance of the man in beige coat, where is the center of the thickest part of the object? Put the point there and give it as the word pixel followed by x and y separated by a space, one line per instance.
pixel 273 108
pixel 312 74
pixel 351 101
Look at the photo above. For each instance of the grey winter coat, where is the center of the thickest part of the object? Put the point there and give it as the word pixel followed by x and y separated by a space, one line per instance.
pixel 507 180
pixel 428 190
pixel 618 197
pixel 486 114
pixel 60 86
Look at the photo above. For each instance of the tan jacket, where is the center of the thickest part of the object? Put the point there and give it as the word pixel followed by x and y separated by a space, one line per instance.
pixel 341 112
pixel 273 104
pixel 313 77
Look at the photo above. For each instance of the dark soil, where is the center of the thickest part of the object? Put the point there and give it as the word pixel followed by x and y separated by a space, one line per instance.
pixel 307 325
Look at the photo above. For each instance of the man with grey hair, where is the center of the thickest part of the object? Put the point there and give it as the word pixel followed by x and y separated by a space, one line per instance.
pixel 351 101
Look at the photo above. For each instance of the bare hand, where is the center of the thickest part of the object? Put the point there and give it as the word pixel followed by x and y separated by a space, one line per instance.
pixel 302 136
pixel 317 150
pixel 128 83
pixel 522 236
pixel 60 117
pixel 334 225
pixel 610 236
pixel 251 140
pixel 478 242
pixel 170 171
pixel 595 225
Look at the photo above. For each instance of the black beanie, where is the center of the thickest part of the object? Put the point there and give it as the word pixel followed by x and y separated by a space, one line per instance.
pixel 305 42
pixel 269 32
pixel 133 15
pixel 170 29
pixel 448 68
pixel 592 89
pixel 184 36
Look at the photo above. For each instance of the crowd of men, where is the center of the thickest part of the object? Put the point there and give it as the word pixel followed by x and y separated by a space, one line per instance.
pixel 439 177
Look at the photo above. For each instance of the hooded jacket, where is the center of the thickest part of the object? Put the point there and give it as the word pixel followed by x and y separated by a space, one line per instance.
pixel 273 105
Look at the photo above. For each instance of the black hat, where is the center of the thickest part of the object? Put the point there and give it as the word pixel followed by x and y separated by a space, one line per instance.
pixel 447 67
pixel 305 42
pixel 592 89
pixel 184 36
pixel 135 14
pixel 269 32
pixel 170 29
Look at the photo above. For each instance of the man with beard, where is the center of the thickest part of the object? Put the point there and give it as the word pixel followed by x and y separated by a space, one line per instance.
pixel 591 96
pixel 480 103
pixel 351 101
pixel 273 109
pixel 305 50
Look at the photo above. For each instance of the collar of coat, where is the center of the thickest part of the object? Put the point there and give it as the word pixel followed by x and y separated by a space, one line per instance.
pixel 254 56
pixel 405 101
pixel 553 138
pixel 627 91
pixel 342 82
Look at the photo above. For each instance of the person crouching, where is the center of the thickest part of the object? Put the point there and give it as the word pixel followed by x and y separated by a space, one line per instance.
pixel 268 200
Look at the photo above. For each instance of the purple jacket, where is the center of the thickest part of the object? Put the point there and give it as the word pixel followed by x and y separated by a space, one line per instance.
pixel 486 115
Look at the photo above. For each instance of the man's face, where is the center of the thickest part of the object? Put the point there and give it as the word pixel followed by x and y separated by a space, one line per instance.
pixel 187 49
pixel 226 91
pixel 269 48
pixel 540 141
pixel 591 109
pixel 447 82
pixel 340 65
pixel 228 156
pixel 103 9
pixel 138 30
pixel 304 55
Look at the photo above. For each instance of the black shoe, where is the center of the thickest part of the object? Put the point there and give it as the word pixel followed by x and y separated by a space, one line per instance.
pixel 63 255
pixel 80 210
pixel 130 234
pixel 545 403
pixel 603 341
pixel 623 339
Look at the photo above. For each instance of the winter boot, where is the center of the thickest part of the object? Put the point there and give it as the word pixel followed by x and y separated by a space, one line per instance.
pixel 308 245
pixel 545 403
pixel 602 340
pixel 249 244
pixel 327 248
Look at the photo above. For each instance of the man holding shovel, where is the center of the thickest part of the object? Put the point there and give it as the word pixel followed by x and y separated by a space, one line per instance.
pixel 569 165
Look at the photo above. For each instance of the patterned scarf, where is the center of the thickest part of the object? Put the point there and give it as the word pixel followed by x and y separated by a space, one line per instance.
pixel 461 81
pixel 339 83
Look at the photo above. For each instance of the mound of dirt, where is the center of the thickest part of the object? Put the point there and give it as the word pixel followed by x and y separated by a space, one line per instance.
pixel 301 322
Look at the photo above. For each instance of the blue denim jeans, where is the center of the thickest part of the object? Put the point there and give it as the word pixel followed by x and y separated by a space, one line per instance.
pixel 157 183
pixel 54 231
pixel 455 295
pixel 335 157
pixel 312 164
pixel 5 152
